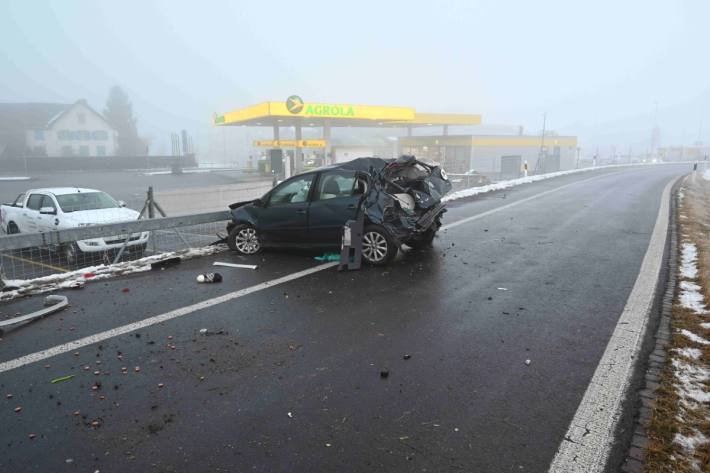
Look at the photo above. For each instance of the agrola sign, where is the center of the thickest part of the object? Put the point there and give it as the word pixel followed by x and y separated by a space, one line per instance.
pixel 296 106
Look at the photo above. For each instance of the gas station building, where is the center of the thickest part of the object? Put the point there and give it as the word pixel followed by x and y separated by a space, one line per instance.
pixel 496 155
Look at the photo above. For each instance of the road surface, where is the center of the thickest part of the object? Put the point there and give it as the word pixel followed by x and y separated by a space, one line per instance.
pixel 288 377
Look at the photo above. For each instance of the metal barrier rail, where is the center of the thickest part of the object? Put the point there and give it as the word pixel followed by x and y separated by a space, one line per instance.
pixel 58 237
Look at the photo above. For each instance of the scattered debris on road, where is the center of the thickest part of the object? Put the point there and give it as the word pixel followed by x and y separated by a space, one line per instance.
pixel 61 379
pixel 209 278
pixel 235 265
pixel 53 303
pixel 384 373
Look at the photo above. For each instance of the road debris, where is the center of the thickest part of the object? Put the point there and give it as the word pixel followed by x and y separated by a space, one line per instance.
pixel 502 288
pixel 384 373
pixel 8 396
pixel 53 303
pixel 32 436
pixel 327 257
pixel 125 290
pixel 166 263
pixel 61 379
pixel 209 278
pixel 527 362
pixel 235 265
pixel 203 331
pixel 290 415
pixel 407 356
pixel 18 409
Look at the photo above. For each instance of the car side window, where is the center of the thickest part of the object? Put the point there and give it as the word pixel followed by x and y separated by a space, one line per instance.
pixel 334 184
pixel 293 191
pixel 35 201
pixel 47 201
pixel 20 201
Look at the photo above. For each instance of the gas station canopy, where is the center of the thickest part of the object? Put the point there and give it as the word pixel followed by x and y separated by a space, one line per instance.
pixel 294 112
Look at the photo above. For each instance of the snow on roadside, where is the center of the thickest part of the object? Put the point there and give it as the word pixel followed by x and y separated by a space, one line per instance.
pixel 692 353
pixel 693 337
pixel 689 259
pixel 691 297
pixel 15 178
pixel 706 175
pixel 471 191
pixel 22 287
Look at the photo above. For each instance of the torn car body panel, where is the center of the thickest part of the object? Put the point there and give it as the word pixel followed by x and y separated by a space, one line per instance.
pixel 405 197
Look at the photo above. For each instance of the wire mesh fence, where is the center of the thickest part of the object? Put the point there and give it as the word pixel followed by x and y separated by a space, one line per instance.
pixel 31 256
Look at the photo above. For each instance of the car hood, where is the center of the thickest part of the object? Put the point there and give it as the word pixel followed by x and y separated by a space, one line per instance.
pixel 99 216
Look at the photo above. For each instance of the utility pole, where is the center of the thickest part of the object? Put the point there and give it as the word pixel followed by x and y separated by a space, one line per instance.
pixel 541 156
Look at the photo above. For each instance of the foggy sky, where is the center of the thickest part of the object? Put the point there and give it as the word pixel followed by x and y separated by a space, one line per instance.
pixel 595 67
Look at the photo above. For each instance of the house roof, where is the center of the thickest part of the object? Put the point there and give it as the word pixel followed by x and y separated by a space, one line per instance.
pixel 16 117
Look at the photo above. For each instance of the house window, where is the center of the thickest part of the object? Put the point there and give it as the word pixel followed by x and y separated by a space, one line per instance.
pixel 63 135
pixel 100 135
pixel 39 151
pixel 39 135
pixel 82 118
pixel 66 151
pixel 100 151
pixel 85 135
pixel 83 150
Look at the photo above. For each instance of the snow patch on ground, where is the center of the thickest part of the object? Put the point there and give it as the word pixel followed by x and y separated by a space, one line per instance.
pixel 689 260
pixel 691 382
pixel 74 279
pixel 693 337
pixel 689 443
pixel 705 325
pixel 706 175
pixel 525 180
pixel 692 353
pixel 691 298
pixel 15 178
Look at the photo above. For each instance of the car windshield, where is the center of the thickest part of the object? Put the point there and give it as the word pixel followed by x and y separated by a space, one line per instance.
pixel 86 201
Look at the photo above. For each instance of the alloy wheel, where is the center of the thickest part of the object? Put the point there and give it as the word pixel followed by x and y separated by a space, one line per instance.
pixel 374 246
pixel 247 242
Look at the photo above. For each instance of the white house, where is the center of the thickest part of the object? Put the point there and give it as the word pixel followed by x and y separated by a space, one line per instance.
pixel 35 129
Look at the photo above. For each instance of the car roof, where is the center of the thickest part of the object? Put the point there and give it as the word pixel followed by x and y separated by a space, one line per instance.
pixel 61 190
pixel 358 164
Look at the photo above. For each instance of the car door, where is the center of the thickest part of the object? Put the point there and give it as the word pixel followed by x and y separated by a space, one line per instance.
pixel 334 202
pixel 30 213
pixel 283 219
pixel 46 221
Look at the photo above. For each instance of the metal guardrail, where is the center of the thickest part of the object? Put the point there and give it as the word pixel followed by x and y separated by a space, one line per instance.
pixel 58 237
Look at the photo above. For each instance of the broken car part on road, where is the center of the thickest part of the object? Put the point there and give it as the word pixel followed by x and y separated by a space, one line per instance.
pixel 401 201
pixel 54 304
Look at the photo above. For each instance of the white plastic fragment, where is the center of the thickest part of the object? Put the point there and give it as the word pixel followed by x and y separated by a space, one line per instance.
pixel 235 265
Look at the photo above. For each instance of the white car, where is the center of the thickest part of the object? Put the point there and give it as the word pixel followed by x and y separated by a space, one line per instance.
pixel 61 208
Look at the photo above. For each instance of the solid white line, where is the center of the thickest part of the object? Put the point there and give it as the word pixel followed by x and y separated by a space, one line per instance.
pixel 82 342
pixel 590 436
pixel 173 314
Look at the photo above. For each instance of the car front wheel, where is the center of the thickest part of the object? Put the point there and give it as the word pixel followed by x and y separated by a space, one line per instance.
pixel 244 239
pixel 377 246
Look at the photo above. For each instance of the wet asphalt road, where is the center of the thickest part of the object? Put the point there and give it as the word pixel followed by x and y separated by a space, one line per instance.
pixel 292 382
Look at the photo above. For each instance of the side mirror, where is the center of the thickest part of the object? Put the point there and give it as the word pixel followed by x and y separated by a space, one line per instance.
pixel 121 203
pixel 258 203
pixel 48 211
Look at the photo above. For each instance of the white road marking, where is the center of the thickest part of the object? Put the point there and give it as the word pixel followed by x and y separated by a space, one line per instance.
pixel 590 436
pixel 173 314
pixel 518 202
pixel 91 339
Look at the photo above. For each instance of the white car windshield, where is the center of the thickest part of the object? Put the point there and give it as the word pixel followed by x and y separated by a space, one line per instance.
pixel 86 201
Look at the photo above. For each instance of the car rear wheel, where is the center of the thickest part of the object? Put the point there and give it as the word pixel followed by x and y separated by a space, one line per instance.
pixel 12 228
pixel 377 246
pixel 244 239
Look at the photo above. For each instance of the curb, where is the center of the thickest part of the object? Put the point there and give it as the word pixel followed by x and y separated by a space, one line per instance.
pixel 646 397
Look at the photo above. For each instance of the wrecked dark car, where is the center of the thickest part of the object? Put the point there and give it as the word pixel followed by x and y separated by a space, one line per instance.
pixel 400 200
